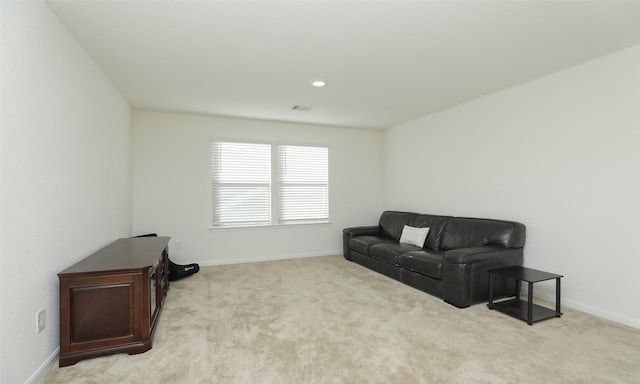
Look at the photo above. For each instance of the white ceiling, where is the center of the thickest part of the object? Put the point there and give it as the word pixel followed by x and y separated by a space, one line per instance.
pixel 386 62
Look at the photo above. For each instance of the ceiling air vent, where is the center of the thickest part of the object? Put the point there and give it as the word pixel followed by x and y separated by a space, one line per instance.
pixel 301 107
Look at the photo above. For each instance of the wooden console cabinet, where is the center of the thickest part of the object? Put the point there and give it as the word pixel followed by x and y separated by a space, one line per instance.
pixel 110 301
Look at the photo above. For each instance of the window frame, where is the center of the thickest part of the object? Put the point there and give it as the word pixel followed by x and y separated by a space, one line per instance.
pixel 275 187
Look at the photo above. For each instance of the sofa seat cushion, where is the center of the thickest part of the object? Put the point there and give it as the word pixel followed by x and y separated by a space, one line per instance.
pixel 389 252
pixel 428 263
pixel 363 243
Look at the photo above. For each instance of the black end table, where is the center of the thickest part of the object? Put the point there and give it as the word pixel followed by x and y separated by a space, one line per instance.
pixel 520 309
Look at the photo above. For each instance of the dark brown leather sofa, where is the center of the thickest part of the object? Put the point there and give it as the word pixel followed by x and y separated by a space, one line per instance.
pixel 454 260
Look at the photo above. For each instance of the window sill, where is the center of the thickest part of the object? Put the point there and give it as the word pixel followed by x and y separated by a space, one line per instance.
pixel 268 226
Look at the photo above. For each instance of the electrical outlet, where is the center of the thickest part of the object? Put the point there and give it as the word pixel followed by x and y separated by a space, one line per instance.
pixel 178 245
pixel 41 320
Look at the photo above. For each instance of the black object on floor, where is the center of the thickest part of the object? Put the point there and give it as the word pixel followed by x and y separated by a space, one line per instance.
pixel 177 271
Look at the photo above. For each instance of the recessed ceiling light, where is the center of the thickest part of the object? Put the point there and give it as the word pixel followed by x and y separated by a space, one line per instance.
pixel 318 83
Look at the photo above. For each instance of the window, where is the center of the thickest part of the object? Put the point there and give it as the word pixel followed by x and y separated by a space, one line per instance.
pixel 244 181
pixel 241 183
pixel 303 183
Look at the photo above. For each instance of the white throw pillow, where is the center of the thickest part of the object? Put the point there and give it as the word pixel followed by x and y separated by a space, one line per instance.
pixel 414 236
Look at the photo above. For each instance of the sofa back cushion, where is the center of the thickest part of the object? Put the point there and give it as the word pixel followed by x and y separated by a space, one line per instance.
pixel 467 232
pixel 436 225
pixel 393 222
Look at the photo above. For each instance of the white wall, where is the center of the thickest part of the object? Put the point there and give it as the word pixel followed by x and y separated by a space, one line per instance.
pixel 172 189
pixel 65 176
pixel 560 154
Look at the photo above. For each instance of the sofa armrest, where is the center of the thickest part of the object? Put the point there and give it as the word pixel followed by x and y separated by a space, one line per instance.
pixel 348 233
pixel 465 279
pixel 478 254
pixel 373 230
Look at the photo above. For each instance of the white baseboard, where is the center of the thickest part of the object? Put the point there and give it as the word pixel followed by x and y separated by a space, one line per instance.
pixel 587 309
pixel 550 296
pixel 41 373
pixel 210 263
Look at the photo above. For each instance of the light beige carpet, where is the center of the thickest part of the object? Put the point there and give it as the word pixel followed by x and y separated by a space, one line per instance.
pixel 326 320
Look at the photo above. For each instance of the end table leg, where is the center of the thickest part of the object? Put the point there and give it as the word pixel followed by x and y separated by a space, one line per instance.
pixel 558 313
pixel 530 305
pixel 490 291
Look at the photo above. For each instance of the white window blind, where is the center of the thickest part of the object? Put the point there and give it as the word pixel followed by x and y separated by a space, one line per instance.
pixel 241 183
pixel 303 183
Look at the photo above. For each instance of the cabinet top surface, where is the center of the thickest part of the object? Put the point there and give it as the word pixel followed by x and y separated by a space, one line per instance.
pixel 123 254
